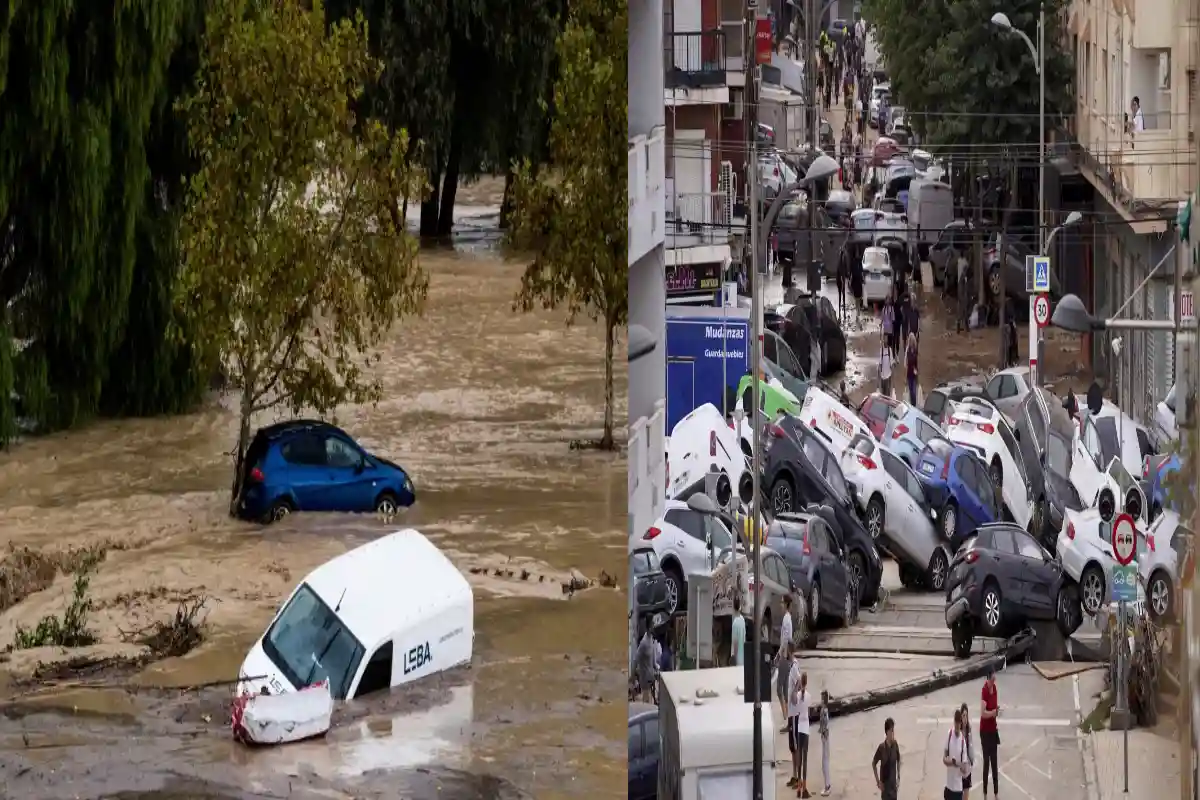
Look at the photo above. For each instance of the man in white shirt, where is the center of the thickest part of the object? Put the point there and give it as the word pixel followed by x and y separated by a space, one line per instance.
pixel 1139 122
pixel 955 759
pixel 783 661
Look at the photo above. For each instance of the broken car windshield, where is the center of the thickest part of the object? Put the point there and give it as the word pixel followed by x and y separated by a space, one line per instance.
pixel 309 643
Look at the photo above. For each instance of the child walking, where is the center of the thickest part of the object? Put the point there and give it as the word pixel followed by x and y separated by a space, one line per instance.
pixel 823 729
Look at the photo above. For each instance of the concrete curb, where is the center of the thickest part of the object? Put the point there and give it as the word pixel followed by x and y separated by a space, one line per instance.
pixel 961 672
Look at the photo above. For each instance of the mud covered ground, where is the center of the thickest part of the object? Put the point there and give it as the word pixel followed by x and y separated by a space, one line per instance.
pixel 480 405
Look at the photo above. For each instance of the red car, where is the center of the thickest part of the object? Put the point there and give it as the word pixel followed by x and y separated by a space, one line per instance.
pixel 875 410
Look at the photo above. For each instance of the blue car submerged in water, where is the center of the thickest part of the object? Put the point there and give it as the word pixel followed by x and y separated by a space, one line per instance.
pixel 959 489
pixel 303 465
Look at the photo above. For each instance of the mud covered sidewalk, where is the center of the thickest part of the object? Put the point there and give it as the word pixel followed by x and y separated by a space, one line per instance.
pixel 481 405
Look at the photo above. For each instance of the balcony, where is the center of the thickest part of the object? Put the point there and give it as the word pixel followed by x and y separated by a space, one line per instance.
pixel 694 60
pixel 1155 25
pixel 646 170
pixel 647 469
pixel 1152 166
pixel 698 220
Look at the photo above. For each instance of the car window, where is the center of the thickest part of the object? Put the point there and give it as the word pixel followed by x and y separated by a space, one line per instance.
pixel 1027 547
pixel 814 452
pixel 787 360
pixel 769 349
pixel 644 562
pixel 1002 541
pixel 912 484
pixel 1169 400
pixel 718 534
pixel 304 449
pixel 637 742
pixel 876 409
pixel 935 404
pixel 1110 439
pixel 687 521
pixel 792 531
pixel 339 453
pixel 1058 455
pixel 1010 444
pixel 863 444
pixel 925 431
pixel 995 386
pixel 651 737
pixel 1008 386
pixel 837 482
pixel 1145 447
pixel 895 469
pixel 1037 423
pixel 816 537
pixel 1091 442
pixel 777 571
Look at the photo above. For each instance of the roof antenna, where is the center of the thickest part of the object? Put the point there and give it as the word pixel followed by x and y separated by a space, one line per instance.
pixel 339 602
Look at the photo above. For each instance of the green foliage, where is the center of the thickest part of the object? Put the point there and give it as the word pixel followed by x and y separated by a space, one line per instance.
pixel 573 217
pixel 80 83
pixel 69 630
pixel 294 265
pixel 947 59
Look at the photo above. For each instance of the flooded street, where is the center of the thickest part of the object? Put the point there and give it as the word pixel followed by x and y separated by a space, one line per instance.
pixel 481 406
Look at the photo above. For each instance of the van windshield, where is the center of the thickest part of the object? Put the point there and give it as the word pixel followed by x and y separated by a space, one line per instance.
pixel 309 643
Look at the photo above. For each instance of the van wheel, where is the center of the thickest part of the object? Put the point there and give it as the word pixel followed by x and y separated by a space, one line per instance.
pixel 387 506
pixel 280 510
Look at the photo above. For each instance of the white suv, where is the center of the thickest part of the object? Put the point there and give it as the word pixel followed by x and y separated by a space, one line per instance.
pixel 979 426
pixel 686 543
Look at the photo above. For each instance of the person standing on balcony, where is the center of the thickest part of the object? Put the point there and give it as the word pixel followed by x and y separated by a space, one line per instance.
pixel 1139 122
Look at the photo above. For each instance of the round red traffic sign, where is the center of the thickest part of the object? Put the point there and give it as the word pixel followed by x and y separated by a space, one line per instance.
pixel 1124 541
pixel 1041 310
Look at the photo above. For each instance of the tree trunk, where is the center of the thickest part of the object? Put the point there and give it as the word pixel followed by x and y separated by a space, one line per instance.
pixel 430 207
pixel 506 205
pixel 610 335
pixel 450 186
pixel 239 461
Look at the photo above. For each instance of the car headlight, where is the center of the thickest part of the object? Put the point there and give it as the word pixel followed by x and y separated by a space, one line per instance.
pixel 408 485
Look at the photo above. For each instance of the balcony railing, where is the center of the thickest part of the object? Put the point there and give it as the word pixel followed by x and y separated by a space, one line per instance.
pixel 694 60
pixel 647 469
pixel 1152 165
pixel 695 220
pixel 645 178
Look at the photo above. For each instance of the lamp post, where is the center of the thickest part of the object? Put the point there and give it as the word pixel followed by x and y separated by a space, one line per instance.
pixel 821 168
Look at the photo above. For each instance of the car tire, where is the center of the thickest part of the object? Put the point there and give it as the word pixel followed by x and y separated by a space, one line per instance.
pixel 858 565
pixel 962 638
pixel 1160 596
pixel 875 511
pixel 996 473
pixel 783 495
pixel 939 569
pixel 386 505
pixel 849 617
pixel 907 579
pixel 279 511
pixel 814 603
pixel 993 280
pixel 949 521
pixel 1069 612
pixel 1092 589
pixel 990 605
pixel 677 588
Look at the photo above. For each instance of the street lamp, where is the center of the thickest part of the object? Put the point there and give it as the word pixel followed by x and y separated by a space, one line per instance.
pixel 1038 51
pixel 1070 314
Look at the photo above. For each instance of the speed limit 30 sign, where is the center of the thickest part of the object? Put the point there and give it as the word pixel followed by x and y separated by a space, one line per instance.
pixel 1124 542
pixel 1041 310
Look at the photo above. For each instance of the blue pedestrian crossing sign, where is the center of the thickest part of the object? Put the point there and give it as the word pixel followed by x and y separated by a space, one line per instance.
pixel 1041 274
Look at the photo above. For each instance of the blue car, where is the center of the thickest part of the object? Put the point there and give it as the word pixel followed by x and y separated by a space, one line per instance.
pixel 959 489
pixel 643 751
pixel 908 430
pixel 303 465
pixel 1158 489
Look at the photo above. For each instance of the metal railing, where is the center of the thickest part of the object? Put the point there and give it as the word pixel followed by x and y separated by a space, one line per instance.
pixel 694 60
pixel 1135 168
pixel 698 219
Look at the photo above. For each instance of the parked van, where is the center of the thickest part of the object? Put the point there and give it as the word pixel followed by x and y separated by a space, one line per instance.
pixel 707 732
pixel 383 614
pixel 703 440
pixel 930 209
pixel 830 419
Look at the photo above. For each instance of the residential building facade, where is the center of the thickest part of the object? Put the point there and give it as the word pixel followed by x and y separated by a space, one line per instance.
pixel 1131 170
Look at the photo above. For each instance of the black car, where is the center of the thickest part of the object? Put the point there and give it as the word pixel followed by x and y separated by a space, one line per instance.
pixel 801 468
pixel 1000 581
pixel 650 582
pixel 839 206
pixel 1013 256
pixel 814 316
pixel 937 400
pixel 954 241
pixel 644 750
pixel 1045 434
pixel 816 563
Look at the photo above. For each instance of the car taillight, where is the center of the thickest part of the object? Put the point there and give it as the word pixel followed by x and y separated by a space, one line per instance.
pixel 899 431
pixel 946 469
pixel 813 423
pixel 257 475
pixel 1150 541
pixel 807 549
pixel 953 421
pixel 712 444
pixel 866 462
pixel 775 431
pixel 1071 531
pixel 650 534
pixel 1145 467
pixel 972 557
pixel 986 427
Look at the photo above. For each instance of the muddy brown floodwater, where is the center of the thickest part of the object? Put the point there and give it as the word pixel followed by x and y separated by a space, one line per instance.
pixel 480 405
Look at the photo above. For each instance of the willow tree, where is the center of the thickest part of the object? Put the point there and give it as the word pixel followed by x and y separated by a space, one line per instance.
pixel 572 214
pixel 294 265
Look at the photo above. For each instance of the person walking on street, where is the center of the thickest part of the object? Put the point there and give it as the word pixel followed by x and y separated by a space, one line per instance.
pixel 989 734
pixel 738 640
pixel 801 725
pixel 969 740
pixel 900 325
pixel 645 662
pixel 910 364
pixel 783 659
pixel 886 763
pixel 793 715
pixel 843 277
pixel 823 729
pixel 954 757
pixel 885 369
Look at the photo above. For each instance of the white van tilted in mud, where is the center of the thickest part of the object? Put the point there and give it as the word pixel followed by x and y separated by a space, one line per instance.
pixel 383 614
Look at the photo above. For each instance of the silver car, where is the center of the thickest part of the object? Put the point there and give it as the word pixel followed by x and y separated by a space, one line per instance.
pixel 733 576
pixel 1161 550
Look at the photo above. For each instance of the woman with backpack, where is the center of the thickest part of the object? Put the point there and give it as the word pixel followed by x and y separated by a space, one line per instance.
pixel 910 363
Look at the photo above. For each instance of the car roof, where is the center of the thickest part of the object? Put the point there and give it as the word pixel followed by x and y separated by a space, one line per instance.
pixel 391 584
pixel 640 711
pixel 1022 371
pixel 288 426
